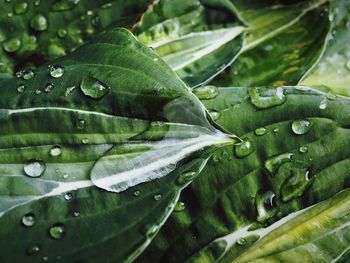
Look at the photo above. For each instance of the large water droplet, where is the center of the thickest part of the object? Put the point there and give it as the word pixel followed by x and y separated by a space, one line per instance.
pixel 56 71
pixel 273 164
pixel 57 231
pixel 20 8
pixel 243 149
pixel 12 45
pixel 56 151
pixel 301 126
pixel 28 220
pixel 275 97
pixel 34 168
pixel 206 92
pixel 93 88
pixel 64 5
pixel 295 185
pixel 265 205
pixel 39 23
pixel 32 250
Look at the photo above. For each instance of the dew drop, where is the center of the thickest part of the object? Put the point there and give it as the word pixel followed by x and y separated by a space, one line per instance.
pixel 275 130
pixel 301 126
pixel 27 74
pixel 69 90
pixel 206 92
pixel 62 33
pixel 260 131
pixel 12 45
pixel 45 258
pixel 49 87
pixel 243 149
pixel 28 220
pixel 303 149
pixel 295 185
pixel 76 213
pixel 215 115
pixel 180 206
pixel 274 98
pixel 32 250
pixel 151 231
pixel 323 104
pixel 93 88
pixel 21 88
pixel 57 231
pixel 81 124
pixel 64 5
pixel 85 141
pixel 157 197
pixel 56 151
pixel 107 5
pixel 241 241
pixel 56 71
pixel 186 177
pixel 39 23
pixel 265 205
pixel 68 196
pixel 273 164
pixel 34 168
pixel 38 91
pixel 20 8
pixel 137 193
pixel 65 176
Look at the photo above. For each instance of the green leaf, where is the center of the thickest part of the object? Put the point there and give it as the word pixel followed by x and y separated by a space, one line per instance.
pixel 196 41
pixel 34 31
pixel 72 129
pixel 333 70
pixel 294 154
pixel 284 42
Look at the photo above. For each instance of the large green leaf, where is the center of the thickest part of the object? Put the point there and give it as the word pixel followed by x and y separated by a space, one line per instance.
pixel 284 42
pixel 333 70
pixel 74 129
pixel 295 154
pixel 198 42
pixel 32 31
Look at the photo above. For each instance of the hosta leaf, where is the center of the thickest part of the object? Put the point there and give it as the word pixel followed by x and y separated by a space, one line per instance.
pixel 72 129
pixel 33 31
pixel 196 41
pixel 284 42
pixel 294 154
pixel 333 70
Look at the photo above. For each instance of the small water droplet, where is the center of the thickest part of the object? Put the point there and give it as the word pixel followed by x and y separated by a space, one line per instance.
pixel 56 71
pixel 243 149
pixel 34 168
pixel 206 92
pixel 38 91
pixel 10 14
pixel 32 250
pixel 20 8
pixel 241 241
pixel 215 115
pixel 303 149
pixel 85 141
pixel 81 124
pixel 265 205
pixel 56 151
pixel 107 5
pixel 137 193
pixel 323 104
pixel 37 2
pixel 57 231
pixel 65 176
pixel 27 74
pixel 28 220
pixel 157 197
pixel 76 213
pixel 295 185
pixel 301 126
pixel 45 258
pixel 68 196
pixel 21 88
pixel 64 5
pixel 62 33
pixel 151 231
pixel 273 98
pixel 260 131
pixel 93 88
pixel 180 206
pixel 39 23
pixel 273 164
pixel 12 45
pixel 186 177
pixel 69 91
pixel 49 87
pixel 275 130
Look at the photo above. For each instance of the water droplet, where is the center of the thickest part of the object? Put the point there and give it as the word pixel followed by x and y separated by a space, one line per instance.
pixel 57 231
pixel 32 250
pixel 20 8
pixel 56 151
pixel 275 130
pixel 260 131
pixel 62 33
pixel 34 168
pixel 38 91
pixel 180 206
pixel 151 231
pixel 323 104
pixel 81 124
pixel 10 14
pixel 56 71
pixel 39 23
pixel 68 196
pixel 243 149
pixel 137 193
pixel 273 164
pixel 37 2
pixel 274 97
pixel 21 88
pixel 186 177
pixel 157 197
pixel 214 115
pixel 76 213
pixel 49 87
pixel 107 5
pixel 295 185
pixel 85 141
pixel 206 92
pixel 301 126
pixel 28 220
pixel 27 74
pixel 45 258
pixel 64 5
pixel 303 149
pixel 241 241
pixel 93 88
pixel 65 176
pixel 265 205
pixel 69 91
pixel 12 45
